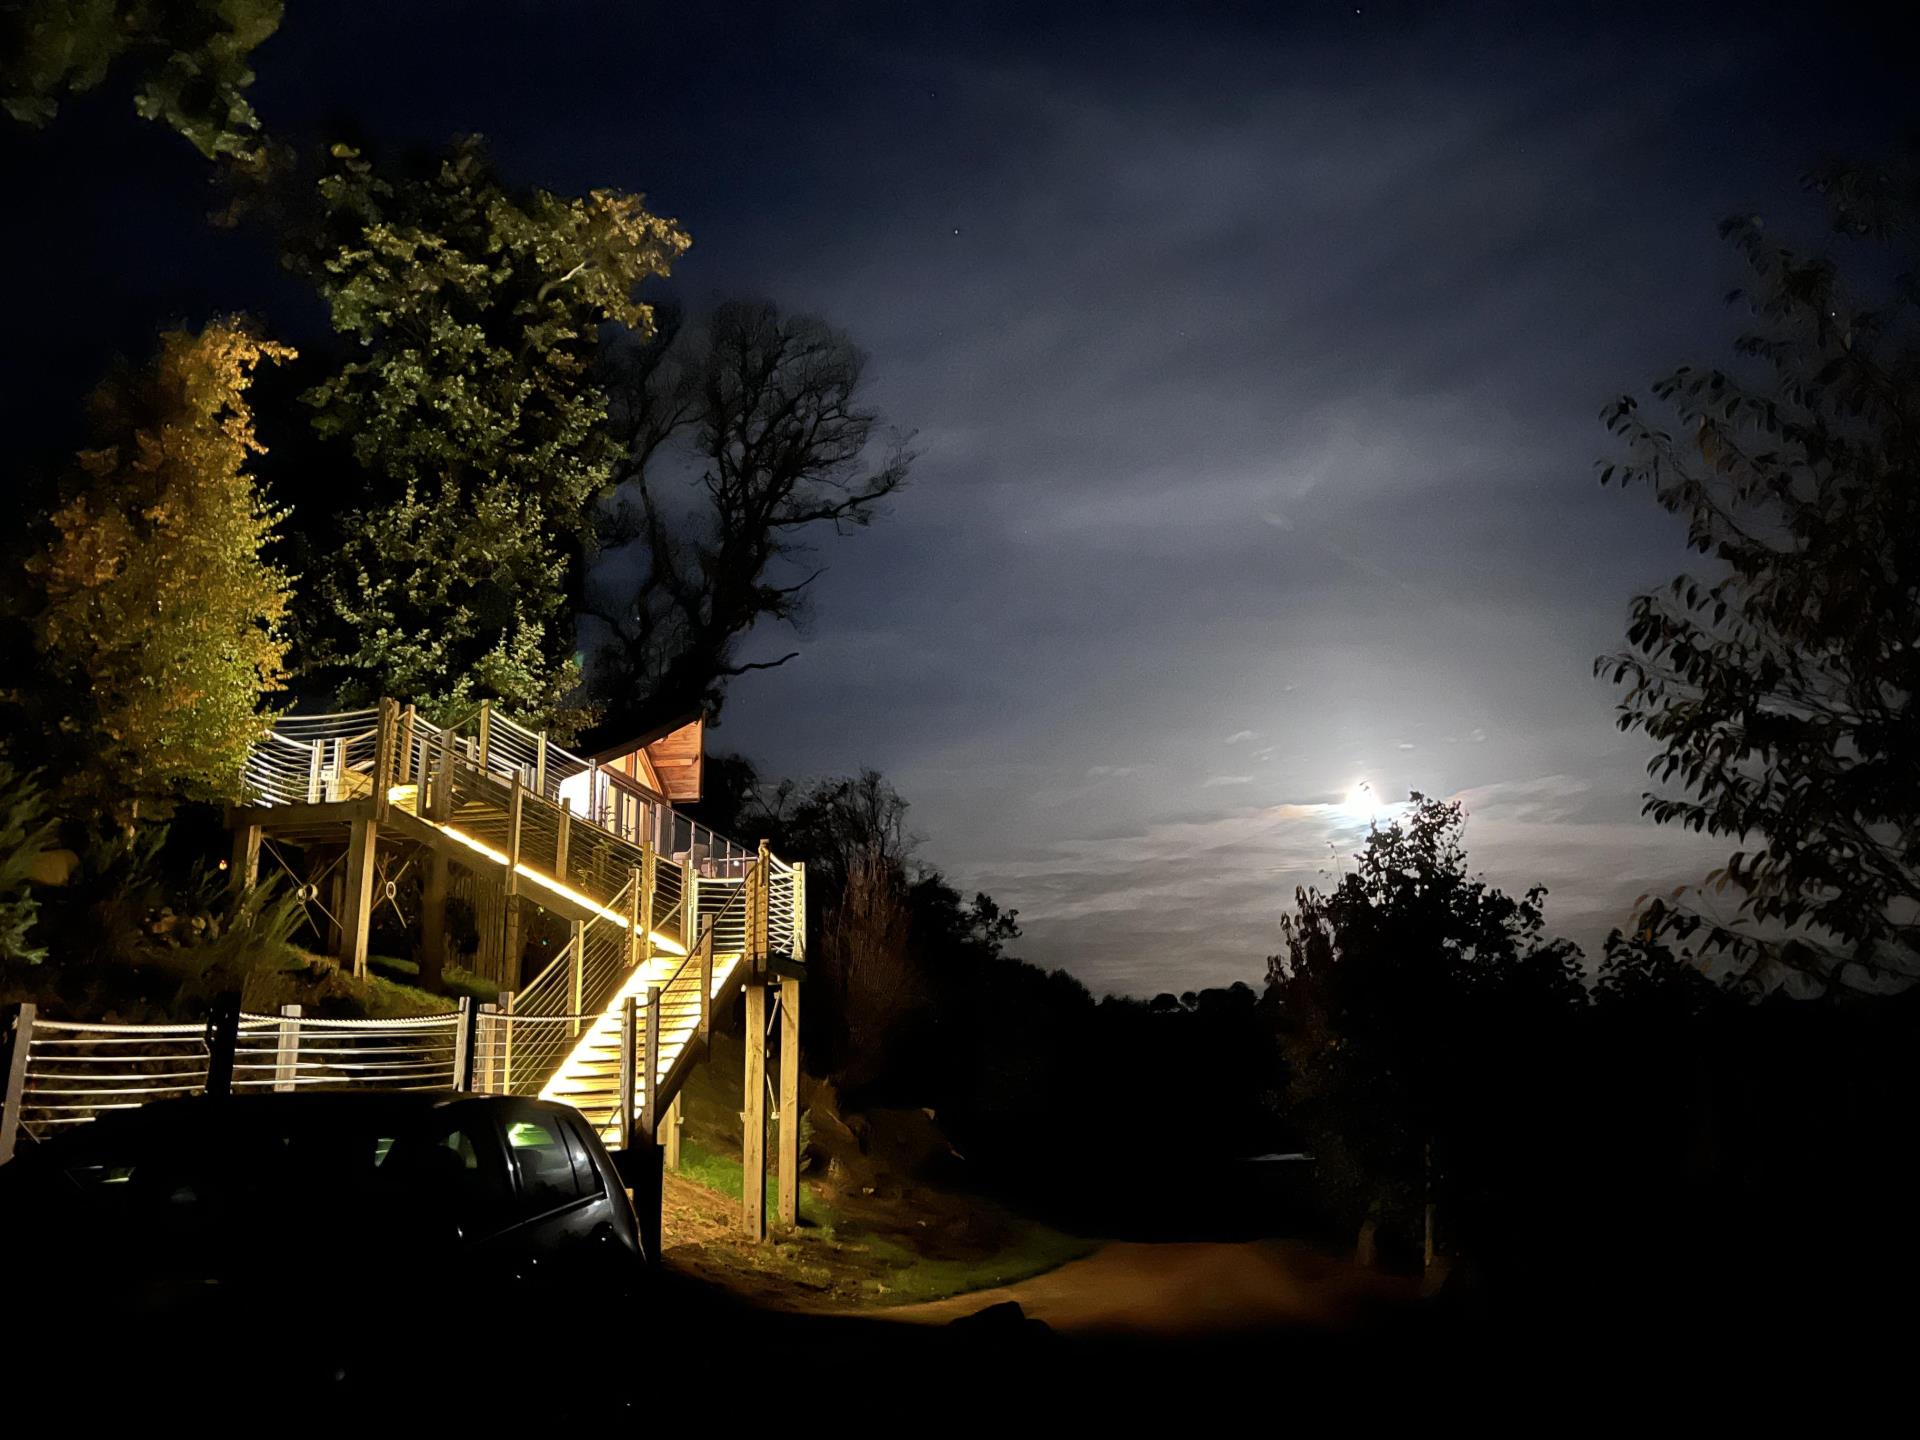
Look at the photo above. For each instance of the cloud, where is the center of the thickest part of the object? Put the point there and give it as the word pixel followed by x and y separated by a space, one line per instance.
pixel 1240 737
pixel 1213 782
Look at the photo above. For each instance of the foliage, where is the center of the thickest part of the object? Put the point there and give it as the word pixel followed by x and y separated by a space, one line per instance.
pixel 764 410
pixel 187 58
pixel 471 412
pixel 1390 980
pixel 162 614
pixel 1779 685
pixel 25 832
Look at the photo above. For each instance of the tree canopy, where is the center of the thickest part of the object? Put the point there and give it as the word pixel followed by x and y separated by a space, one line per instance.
pixel 163 619
pixel 187 60
pixel 1779 684
pixel 478 431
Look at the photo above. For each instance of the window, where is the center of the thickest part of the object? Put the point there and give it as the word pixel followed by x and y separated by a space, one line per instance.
pixel 445 1168
pixel 539 1145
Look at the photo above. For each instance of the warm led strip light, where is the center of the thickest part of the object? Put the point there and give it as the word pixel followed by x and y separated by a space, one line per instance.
pixel 547 882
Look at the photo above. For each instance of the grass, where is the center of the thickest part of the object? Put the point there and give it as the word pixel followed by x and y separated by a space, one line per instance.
pixel 849 1260
pixel 457 983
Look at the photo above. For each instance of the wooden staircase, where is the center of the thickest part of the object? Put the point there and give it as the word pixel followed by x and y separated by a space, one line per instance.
pixel 615 1021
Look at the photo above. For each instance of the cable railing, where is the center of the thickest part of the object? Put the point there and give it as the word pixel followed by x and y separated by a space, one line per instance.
pixel 298 1052
pixel 76 1071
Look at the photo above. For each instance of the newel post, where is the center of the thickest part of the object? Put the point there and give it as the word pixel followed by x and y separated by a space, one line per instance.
pixel 286 1055
pixel 223 1038
pixel 14 1045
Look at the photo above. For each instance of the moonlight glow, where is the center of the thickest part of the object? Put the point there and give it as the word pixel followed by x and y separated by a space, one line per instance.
pixel 1361 803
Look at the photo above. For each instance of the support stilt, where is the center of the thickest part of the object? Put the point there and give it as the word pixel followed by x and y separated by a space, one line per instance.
pixel 753 1139
pixel 245 871
pixel 787 1211
pixel 357 915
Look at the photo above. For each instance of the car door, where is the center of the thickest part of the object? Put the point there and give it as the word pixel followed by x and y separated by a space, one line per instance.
pixel 565 1220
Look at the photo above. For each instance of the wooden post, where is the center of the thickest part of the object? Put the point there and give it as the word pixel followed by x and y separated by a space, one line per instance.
pixel 486 731
pixel 245 872
pixel 629 1069
pixel 689 907
pixel 403 757
pixel 465 1033
pixel 510 907
pixel 650 1115
pixel 706 990
pixel 637 947
pixel 443 793
pixel 286 1055
pixel 433 918
pixel 506 1043
pixel 18 1040
pixel 314 763
pixel 787 1213
pixel 800 911
pixel 670 1136
pixel 363 844
pixel 577 970
pixel 540 766
pixel 223 1038
pixel 753 1135
pixel 562 841
pixel 385 760
pixel 649 875
pixel 760 911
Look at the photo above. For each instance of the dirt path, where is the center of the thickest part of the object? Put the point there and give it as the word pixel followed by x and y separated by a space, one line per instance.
pixel 1188 1290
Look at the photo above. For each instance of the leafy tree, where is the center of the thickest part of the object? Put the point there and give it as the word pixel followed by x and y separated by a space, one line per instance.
pixel 471 411
pixel 755 418
pixel 1410 996
pixel 25 833
pixel 1779 685
pixel 163 617
pixel 187 59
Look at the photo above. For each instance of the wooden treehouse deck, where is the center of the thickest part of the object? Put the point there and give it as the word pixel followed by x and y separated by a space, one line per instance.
pixel 666 920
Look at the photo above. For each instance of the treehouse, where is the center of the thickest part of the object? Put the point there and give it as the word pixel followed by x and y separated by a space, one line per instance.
pixel 613 923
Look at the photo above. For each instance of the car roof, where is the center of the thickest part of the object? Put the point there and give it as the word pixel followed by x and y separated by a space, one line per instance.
pixel 242 1112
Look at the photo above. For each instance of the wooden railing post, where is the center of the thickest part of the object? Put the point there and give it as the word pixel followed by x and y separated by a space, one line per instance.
pixel 689 906
pixel 577 964
pixel 799 951
pixel 286 1054
pixel 649 875
pixel 706 989
pixel 485 738
pixel 637 947
pixel 386 737
pixel 650 1098
pixel 443 794
pixel 14 1045
pixel 758 896
pixel 403 773
pixel 562 841
pixel 506 1042
pixel 223 1038
pixel 540 766
pixel 629 1070
pixel 510 942
pixel 464 1035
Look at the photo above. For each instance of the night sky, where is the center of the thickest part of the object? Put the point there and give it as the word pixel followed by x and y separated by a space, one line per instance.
pixel 1254 354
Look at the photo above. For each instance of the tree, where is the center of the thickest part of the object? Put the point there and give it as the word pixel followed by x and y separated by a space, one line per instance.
pixel 763 409
pixel 25 835
pixel 1412 998
pixel 1779 685
pixel 163 615
pixel 471 412
pixel 187 60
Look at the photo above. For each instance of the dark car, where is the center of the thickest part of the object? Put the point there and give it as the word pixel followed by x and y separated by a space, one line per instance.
pixel 350 1238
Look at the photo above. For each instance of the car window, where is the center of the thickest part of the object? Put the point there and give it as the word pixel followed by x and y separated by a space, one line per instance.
pixel 538 1144
pixel 586 1173
pixel 451 1169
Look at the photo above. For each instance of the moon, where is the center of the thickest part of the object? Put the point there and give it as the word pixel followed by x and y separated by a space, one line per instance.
pixel 1361 803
